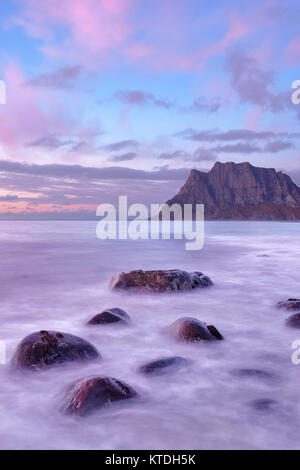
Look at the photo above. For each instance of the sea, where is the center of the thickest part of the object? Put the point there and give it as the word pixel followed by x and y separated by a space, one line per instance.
pixel 55 276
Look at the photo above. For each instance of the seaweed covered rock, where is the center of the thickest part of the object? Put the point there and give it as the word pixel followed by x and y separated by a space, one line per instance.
pixel 90 393
pixel 160 280
pixel 111 315
pixel 189 329
pixel 46 348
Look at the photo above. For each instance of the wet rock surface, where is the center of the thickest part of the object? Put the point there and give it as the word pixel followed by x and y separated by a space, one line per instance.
pixel 111 315
pixel 163 365
pixel 290 304
pixel 46 348
pixel 160 280
pixel 91 393
pixel 293 321
pixel 189 329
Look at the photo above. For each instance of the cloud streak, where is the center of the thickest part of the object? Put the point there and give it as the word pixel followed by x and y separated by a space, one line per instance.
pixel 124 157
pixel 212 135
pixel 62 78
pixel 121 145
pixel 57 170
pixel 51 142
pixel 141 98
pixel 203 104
pixel 198 155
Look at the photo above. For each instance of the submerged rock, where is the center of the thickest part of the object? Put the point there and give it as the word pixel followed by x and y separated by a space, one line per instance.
pixel 163 365
pixel 191 329
pixel 293 321
pixel 111 315
pixel 264 404
pixel 253 373
pixel 46 348
pixel 290 304
pixel 160 280
pixel 90 393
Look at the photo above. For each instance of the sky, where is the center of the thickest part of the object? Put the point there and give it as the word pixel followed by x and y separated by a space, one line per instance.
pixel 124 97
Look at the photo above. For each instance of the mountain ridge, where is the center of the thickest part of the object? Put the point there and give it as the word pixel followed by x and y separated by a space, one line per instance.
pixel 241 191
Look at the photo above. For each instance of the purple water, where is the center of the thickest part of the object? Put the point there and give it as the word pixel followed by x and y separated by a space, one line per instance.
pixel 54 275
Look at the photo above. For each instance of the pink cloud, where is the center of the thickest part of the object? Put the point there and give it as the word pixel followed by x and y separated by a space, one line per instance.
pixel 33 113
pixel 237 29
pixel 293 51
pixel 20 207
pixel 94 26
pixel 21 117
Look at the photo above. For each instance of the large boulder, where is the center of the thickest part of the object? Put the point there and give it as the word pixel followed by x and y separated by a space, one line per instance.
pixel 111 315
pixel 90 393
pixel 163 365
pixel 46 348
pixel 160 280
pixel 189 329
pixel 290 304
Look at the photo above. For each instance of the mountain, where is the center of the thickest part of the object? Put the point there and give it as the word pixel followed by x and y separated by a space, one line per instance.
pixel 240 191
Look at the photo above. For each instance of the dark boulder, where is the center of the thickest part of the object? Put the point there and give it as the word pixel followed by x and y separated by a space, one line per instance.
pixel 161 366
pixel 290 304
pixel 46 348
pixel 111 315
pixel 90 393
pixel 214 331
pixel 191 329
pixel 293 321
pixel 160 280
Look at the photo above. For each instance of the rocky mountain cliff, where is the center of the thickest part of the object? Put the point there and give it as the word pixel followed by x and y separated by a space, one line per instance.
pixel 240 191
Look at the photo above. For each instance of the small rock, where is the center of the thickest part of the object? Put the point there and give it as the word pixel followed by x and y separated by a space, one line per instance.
pixel 46 348
pixel 90 393
pixel 111 315
pixel 160 280
pixel 163 365
pixel 191 329
pixel 293 321
pixel 290 304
